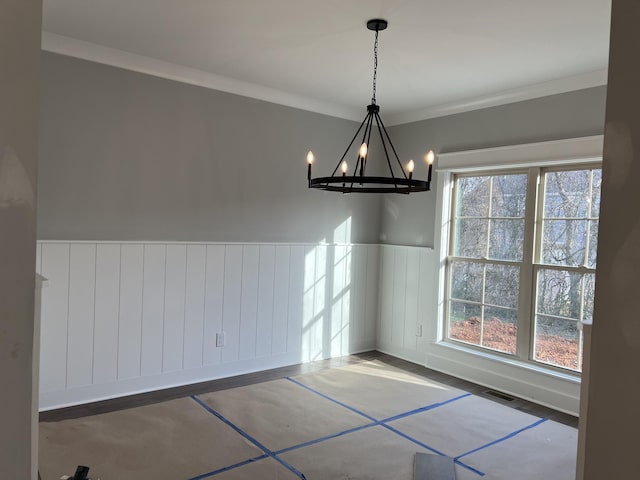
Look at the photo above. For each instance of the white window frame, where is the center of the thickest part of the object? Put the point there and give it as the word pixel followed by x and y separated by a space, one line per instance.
pixel 546 385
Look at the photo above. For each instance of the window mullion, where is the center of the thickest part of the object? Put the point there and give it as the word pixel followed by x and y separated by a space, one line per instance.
pixel 565 268
pixel 453 216
pixel 526 298
pixel 587 248
pixel 488 219
pixel 491 261
pixel 483 293
pixel 453 206
pixel 581 317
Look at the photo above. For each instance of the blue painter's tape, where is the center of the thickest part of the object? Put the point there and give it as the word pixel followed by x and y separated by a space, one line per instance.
pixel 250 438
pixel 425 409
pixel 502 439
pixel 411 439
pixel 374 423
pixel 438 452
pixel 383 423
pixel 469 467
pixel 230 467
pixel 348 407
pixel 325 438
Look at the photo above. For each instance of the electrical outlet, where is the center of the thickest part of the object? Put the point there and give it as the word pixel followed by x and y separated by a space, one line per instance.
pixel 220 339
pixel 419 330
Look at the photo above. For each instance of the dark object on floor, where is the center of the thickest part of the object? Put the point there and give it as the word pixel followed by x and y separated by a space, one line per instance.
pixel 81 473
pixel 433 467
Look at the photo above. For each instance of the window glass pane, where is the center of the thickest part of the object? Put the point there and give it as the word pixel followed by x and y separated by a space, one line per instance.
pixel 566 194
pixel 593 243
pixel 506 239
pixel 564 242
pixel 471 238
pixel 559 293
pixel 589 292
pixel 466 281
pixel 489 224
pixel 499 329
pixel 595 194
pixel 502 285
pixel 557 342
pixel 465 322
pixel 473 196
pixel 508 196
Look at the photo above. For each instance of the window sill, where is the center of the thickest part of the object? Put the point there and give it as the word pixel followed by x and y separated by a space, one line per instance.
pixel 574 378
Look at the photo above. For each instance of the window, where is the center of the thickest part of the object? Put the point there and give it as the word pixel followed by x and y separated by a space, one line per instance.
pixel 521 265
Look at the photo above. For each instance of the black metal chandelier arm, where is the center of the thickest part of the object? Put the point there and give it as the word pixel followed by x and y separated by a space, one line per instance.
pixel 366 137
pixel 384 147
pixel 350 144
pixel 391 143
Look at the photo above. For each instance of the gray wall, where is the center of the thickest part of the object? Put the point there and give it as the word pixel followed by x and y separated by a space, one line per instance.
pixel 613 416
pixel 127 156
pixel 410 220
pixel 20 24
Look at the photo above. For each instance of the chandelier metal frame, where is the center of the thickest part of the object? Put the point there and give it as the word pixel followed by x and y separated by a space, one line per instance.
pixel 358 182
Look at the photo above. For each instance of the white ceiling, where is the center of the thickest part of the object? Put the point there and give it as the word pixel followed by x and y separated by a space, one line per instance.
pixel 437 56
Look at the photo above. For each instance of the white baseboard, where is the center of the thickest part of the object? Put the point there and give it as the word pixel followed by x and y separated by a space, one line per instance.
pixel 413 356
pixel 97 392
pixel 133 386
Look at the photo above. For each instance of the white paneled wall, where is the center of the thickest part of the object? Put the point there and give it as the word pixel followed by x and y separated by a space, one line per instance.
pixel 407 294
pixel 408 328
pixel 121 318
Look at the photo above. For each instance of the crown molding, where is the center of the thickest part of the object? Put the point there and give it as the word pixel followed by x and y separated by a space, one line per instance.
pixel 544 89
pixel 72 47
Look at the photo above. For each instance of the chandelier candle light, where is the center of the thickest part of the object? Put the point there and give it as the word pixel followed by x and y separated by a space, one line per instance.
pixel 359 182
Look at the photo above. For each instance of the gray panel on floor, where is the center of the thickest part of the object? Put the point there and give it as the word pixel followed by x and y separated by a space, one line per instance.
pixel 433 467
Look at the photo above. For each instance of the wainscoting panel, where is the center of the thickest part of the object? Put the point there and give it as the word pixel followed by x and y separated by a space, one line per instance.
pixel 406 298
pixel 82 276
pixel 55 317
pixel 107 310
pixel 214 290
pixel 231 302
pixel 174 308
pixel 296 297
pixel 249 302
pixel 153 290
pixel 130 315
pixel 280 299
pixel 194 306
pixel 122 318
pixel 413 291
pixel 265 298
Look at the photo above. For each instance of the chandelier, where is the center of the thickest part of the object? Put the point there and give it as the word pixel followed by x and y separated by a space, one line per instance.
pixel 399 181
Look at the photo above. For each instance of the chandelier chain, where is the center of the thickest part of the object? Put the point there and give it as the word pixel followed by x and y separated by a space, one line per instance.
pixel 375 67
